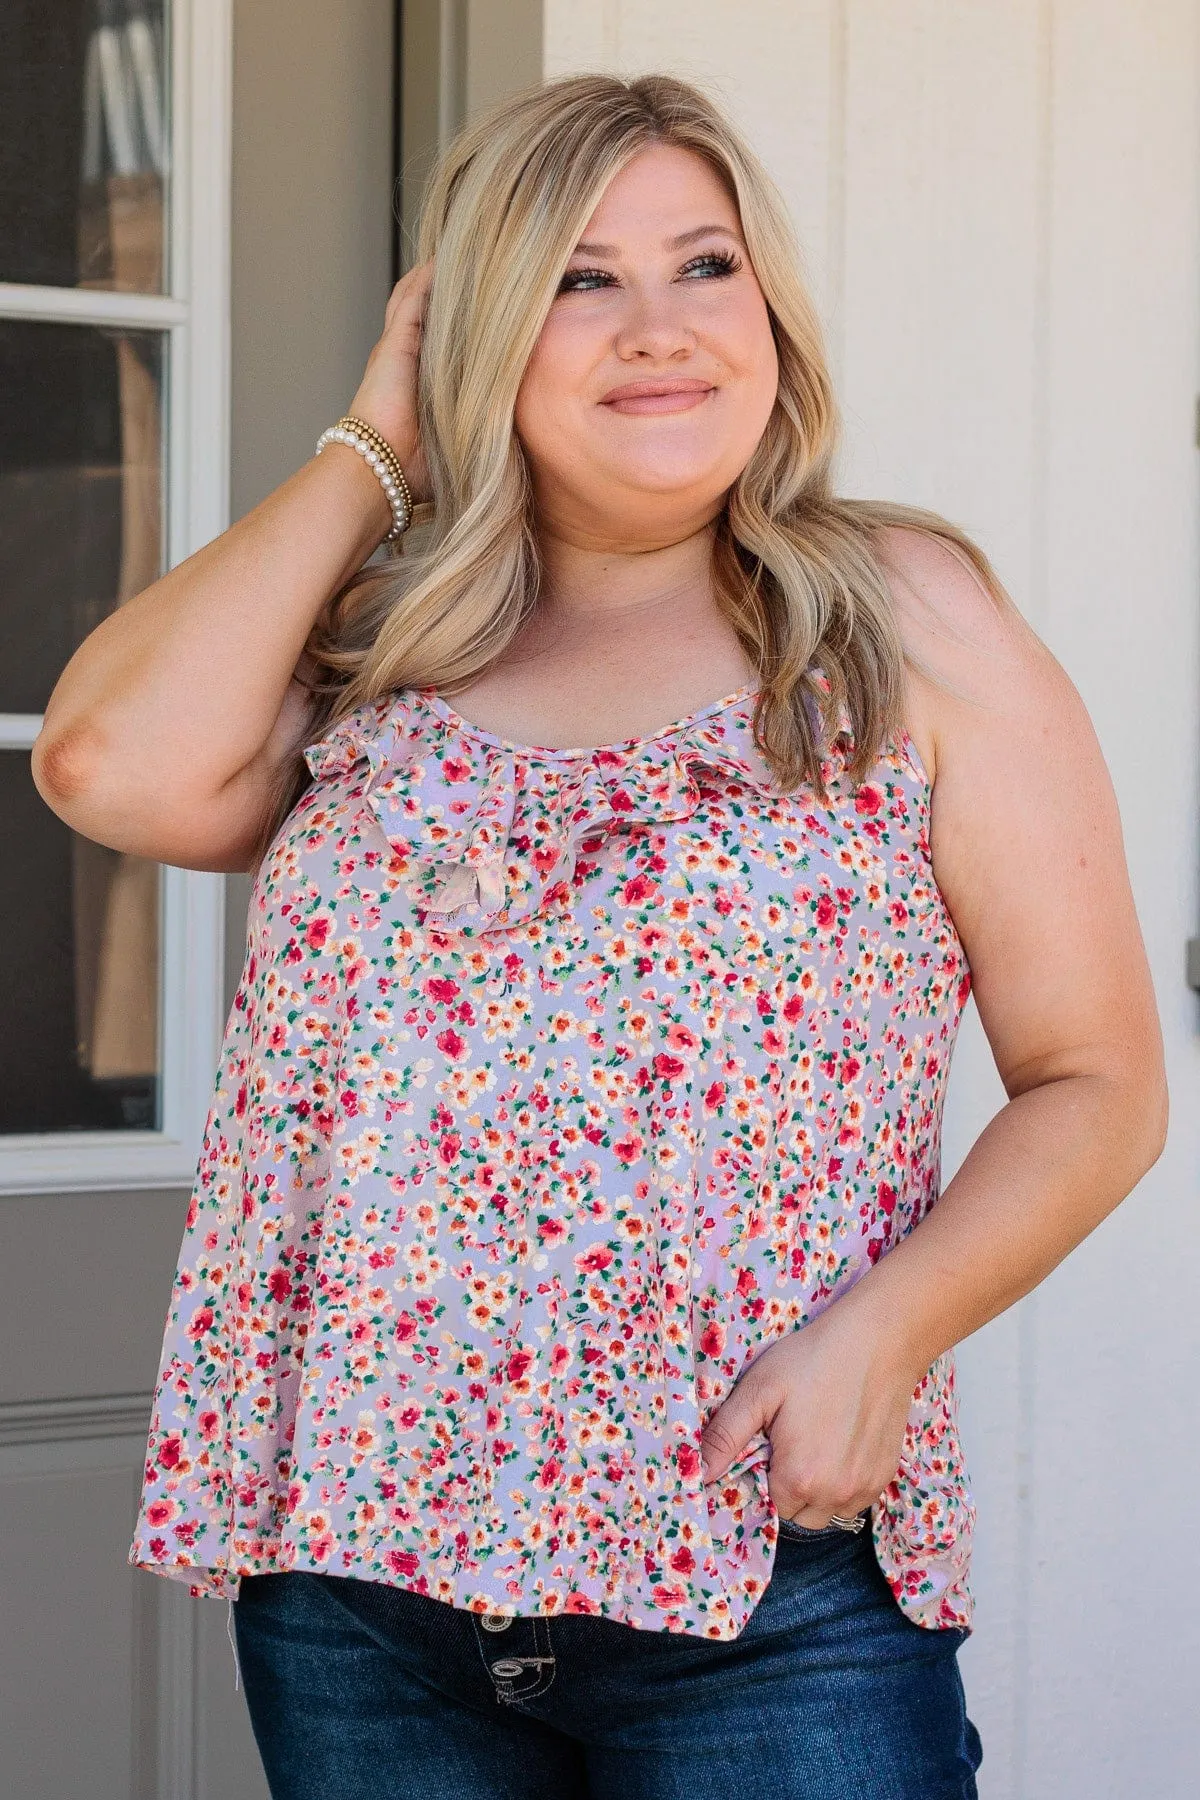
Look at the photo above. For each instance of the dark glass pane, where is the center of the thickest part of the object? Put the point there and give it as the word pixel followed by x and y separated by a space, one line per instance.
pixel 83 143
pixel 80 491
pixel 79 958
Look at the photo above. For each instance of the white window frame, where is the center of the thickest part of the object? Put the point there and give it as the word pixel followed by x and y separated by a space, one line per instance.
pixel 195 318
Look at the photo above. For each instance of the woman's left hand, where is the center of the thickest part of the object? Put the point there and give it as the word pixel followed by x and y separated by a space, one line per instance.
pixel 833 1398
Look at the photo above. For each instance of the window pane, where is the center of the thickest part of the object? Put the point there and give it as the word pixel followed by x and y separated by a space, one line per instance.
pixel 83 149
pixel 79 938
pixel 80 491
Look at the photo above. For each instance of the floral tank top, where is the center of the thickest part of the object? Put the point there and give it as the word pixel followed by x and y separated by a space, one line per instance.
pixel 558 1083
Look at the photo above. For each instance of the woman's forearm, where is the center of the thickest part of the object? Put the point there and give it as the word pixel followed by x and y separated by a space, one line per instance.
pixel 177 691
pixel 1048 1168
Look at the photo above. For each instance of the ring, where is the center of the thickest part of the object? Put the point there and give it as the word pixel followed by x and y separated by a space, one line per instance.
pixel 854 1524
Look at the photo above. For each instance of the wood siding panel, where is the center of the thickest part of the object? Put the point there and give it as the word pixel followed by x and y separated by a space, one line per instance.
pixel 1114 1619
pixel 944 167
pixel 773 67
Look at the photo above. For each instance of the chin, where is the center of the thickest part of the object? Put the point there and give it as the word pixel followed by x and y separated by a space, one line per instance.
pixel 657 475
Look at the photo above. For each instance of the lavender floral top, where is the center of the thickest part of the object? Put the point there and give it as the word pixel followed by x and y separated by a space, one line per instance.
pixel 558 1083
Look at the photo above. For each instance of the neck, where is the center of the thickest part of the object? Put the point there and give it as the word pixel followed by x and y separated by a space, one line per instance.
pixel 593 588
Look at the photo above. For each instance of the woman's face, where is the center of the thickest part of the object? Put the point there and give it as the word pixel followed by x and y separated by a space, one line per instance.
pixel 655 372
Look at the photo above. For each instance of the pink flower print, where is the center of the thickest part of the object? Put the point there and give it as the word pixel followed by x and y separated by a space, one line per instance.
pixel 317 932
pixel 687 1459
pixel 594 1260
pixel 280 1284
pixel 667 1596
pixel 402 1562
pixel 449 1146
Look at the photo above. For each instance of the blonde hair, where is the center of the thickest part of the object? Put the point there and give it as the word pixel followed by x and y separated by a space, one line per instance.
pixel 797 570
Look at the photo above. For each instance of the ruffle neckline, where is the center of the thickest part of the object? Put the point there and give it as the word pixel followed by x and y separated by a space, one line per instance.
pixel 487 833
pixel 624 747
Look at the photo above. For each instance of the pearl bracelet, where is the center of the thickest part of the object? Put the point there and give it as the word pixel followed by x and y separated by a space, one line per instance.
pixel 383 462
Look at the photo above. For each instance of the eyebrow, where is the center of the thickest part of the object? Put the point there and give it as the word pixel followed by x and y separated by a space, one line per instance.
pixel 675 243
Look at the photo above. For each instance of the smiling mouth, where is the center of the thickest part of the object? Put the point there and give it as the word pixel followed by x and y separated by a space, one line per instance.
pixel 658 396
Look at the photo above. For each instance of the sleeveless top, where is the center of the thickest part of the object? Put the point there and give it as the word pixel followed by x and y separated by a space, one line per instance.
pixel 558 1084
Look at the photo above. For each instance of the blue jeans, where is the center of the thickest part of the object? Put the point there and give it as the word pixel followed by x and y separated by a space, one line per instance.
pixel 358 1690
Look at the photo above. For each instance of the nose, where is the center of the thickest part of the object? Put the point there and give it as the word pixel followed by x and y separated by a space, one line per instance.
pixel 655 324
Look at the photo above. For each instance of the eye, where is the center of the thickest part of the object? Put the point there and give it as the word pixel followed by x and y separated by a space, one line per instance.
pixel 714 264
pixel 573 276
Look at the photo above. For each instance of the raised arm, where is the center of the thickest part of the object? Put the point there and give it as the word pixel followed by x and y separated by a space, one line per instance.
pixel 165 730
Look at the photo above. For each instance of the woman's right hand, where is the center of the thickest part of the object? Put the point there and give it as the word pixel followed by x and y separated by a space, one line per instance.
pixel 387 394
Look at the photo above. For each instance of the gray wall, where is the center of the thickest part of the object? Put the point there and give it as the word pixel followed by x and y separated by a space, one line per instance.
pixel 312 244
pixel 312 223
pixel 458 58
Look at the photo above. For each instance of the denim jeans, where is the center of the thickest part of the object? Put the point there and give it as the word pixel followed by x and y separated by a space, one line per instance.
pixel 358 1690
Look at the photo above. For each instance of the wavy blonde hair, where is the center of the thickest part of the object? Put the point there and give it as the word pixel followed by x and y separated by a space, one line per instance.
pixel 797 570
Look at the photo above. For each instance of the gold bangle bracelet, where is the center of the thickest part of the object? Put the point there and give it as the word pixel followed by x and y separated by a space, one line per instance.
pixel 384 449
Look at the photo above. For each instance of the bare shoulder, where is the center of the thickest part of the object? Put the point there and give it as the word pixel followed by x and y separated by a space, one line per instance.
pixel 979 673
pixel 1025 832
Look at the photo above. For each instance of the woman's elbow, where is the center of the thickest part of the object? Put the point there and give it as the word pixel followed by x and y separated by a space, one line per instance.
pixel 1158 1117
pixel 63 765
pixel 77 775
pixel 1141 1115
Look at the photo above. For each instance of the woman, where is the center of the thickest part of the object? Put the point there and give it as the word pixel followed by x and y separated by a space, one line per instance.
pixel 606 952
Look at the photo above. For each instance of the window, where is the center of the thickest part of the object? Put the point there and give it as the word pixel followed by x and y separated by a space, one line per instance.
pixel 114 252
